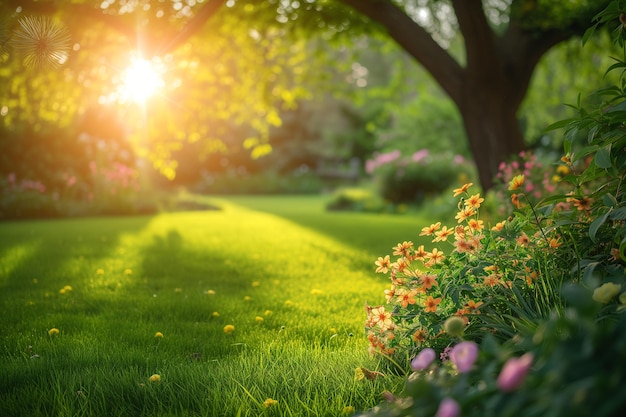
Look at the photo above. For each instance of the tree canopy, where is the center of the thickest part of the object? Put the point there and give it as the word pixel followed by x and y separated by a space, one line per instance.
pixel 231 65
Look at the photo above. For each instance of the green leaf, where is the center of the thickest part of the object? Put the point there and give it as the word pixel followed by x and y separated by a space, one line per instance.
pixel 603 158
pixel 596 224
pixel 622 249
pixel 619 214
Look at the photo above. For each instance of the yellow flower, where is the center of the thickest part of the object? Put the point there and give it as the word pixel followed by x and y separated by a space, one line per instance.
pixel 464 188
pixel 229 328
pixel 215 314
pixel 128 271
pixel 154 378
pixel 358 374
pixel 316 291
pixel 178 290
pixel 269 402
pixel 347 410
pixel 210 292
pixel 606 292
pixel 256 283
pixel 158 335
pixel 474 201
pixel 429 230
pixel 247 298
pixel 516 182
pixel 268 313
pixel 100 271
pixel 258 319
pixel 53 331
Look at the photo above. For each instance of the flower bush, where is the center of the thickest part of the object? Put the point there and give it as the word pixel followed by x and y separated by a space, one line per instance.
pixel 411 179
pixel 542 294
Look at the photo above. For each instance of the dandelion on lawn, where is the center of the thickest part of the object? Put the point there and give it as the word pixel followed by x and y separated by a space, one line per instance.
pixel 210 292
pixel 347 410
pixel 128 271
pixel 99 271
pixel 247 298
pixel 154 378
pixel 229 328
pixel 178 290
pixel 258 319
pixel 215 314
pixel 269 402
pixel 158 335
pixel 288 303
pixel 268 313
pixel 315 291
pixel 256 283
pixel 53 331
pixel 333 330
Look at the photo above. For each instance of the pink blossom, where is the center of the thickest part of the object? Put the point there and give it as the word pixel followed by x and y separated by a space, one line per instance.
pixel 463 355
pixel 448 408
pixel 420 155
pixel 514 372
pixel 423 359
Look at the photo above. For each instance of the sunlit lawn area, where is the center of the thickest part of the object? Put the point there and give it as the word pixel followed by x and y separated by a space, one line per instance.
pixel 290 277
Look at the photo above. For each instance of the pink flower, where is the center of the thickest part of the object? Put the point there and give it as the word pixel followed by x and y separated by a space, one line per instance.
pixel 420 155
pixel 514 372
pixel 423 359
pixel 448 408
pixel 463 355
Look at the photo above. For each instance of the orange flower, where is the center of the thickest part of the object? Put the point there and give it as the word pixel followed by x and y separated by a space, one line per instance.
pixel 383 264
pixel 435 256
pixel 554 243
pixel 442 235
pixel 583 203
pixel 523 239
pixel 465 213
pixel 431 304
pixel 406 297
pixel 473 306
pixel 390 293
pixel 427 281
pixel 475 225
pixel 499 226
pixel 516 182
pixel 492 280
pixel 515 200
pixel 420 253
pixel 420 336
pixel 464 188
pixel 429 230
pixel 382 318
pixel 474 201
pixel 402 248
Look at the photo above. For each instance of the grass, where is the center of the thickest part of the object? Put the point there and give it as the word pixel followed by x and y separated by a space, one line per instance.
pixel 290 277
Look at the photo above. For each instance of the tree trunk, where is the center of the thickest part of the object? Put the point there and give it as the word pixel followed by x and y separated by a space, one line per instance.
pixel 493 132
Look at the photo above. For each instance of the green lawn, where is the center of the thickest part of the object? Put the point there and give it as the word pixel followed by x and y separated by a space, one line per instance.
pixel 290 277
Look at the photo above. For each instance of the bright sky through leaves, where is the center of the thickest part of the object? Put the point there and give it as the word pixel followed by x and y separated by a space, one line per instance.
pixel 141 80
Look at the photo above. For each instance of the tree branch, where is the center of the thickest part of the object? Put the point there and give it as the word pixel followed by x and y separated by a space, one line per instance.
pixel 480 48
pixel 416 41
pixel 192 26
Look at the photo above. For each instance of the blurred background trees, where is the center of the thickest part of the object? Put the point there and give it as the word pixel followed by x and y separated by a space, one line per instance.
pixel 278 96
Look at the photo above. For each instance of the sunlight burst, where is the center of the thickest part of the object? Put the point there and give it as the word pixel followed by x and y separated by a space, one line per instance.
pixel 141 80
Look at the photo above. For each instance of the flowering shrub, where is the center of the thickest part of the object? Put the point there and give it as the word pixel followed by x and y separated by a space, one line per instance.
pixel 473 269
pixel 411 179
pixel 540 179
pixel 550 324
